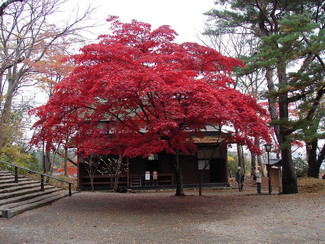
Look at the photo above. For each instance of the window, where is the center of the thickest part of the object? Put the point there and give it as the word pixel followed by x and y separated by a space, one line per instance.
pixel 204 154
pixel 203 163
pixel 153 157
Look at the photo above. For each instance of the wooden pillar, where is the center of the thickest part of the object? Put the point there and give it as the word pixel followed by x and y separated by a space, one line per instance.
pixel 128 172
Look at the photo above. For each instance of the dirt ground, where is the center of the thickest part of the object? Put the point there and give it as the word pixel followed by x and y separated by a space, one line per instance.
pixel 220 216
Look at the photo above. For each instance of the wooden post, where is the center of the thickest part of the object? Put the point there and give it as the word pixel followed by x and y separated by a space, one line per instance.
pixel 128 172
pixel 16 175
pixel 42 182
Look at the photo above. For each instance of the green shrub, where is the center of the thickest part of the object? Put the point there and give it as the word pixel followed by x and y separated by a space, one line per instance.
pixel 16 155
pixel 301 167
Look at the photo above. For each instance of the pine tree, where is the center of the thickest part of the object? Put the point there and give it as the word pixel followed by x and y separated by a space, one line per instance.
pixel 291 35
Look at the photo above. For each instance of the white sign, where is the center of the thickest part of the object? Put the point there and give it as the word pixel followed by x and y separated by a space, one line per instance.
pixel 147 175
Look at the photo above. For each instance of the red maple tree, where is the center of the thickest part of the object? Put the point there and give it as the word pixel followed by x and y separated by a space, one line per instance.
pixel 137 92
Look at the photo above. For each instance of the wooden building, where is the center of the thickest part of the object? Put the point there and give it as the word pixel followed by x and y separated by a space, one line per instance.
pixel 157 170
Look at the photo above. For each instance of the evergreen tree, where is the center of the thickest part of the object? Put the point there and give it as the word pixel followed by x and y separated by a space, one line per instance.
pixel 291 35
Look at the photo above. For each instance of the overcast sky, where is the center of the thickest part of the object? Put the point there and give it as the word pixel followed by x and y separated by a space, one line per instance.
pixel 184 16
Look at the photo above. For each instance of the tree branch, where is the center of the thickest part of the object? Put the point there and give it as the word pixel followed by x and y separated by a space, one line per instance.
pixel 6 66
pixel 6 4
pixel 264 18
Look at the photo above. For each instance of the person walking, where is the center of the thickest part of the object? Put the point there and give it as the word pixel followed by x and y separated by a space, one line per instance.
pixel 258 181
pixel 240 179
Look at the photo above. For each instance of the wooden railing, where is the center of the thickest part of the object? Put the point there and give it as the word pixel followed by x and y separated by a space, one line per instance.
pixel 124 180
pixel 16 167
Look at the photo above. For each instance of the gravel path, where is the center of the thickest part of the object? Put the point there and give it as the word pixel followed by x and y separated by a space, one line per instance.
pixel 220 216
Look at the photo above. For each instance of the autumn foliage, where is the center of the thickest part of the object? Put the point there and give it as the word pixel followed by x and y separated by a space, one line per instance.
pixel 137 92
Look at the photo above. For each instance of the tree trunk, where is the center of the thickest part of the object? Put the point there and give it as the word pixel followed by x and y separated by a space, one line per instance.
pixel 255 158
pixel 92 182
pixel 117 173
pixel 5 123
pixel 65 162
pixel 202 176
pixel 313 166
pixel 289 179
pixel 240 154
pixel 259 159
pixel 260 163
pixel 91 174
pixel 91 167
pixel 272 101
pixel 179 176
pixel 48 161
pixel 5 120
pixel 253 163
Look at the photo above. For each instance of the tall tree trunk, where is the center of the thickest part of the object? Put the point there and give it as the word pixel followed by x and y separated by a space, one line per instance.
pixel 5 120
pixel 179 176
pixel 289 178
pixel 272 101
pixel 5 133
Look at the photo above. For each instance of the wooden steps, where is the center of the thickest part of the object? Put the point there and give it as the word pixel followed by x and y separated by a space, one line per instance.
pixel 136 181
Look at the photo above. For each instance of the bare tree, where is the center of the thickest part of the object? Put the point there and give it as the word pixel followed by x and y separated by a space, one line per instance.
pixel 27 32
pixel 92 164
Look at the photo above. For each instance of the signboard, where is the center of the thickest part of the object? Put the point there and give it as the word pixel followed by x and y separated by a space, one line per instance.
pixel 147 175
pixel 154 175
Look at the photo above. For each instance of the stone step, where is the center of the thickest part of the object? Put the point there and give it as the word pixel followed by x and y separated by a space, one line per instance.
pixel 32 200
pixel 25 191
pixel 20 187
pixel 21 182
pixel 8 213
pixel 27 196
pixel 5 177
pixel 12 180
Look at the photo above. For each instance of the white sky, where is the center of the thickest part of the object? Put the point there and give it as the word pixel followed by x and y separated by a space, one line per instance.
pixel 184 16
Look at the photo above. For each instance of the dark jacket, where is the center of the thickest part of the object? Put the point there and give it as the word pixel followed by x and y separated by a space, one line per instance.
pixel 238 176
